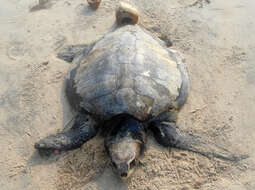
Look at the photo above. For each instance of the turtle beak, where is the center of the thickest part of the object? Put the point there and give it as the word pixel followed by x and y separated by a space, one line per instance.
pixel 124 170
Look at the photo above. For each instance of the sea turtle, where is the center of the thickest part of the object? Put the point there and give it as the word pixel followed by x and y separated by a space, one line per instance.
pixel 124 84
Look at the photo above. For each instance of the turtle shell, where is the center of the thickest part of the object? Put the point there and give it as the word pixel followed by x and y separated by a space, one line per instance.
pixel 127 71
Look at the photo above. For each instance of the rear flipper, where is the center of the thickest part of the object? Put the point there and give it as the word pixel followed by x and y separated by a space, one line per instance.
pixel 169 135
pixel 68 53
pixel 83 129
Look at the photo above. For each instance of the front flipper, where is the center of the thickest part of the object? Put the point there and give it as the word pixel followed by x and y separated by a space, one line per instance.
pixel 169 135
pixel 83 129
pixel 68 53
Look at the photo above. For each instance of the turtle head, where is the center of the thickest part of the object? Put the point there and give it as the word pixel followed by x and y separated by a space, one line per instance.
pixel 124 156
pixel 125 145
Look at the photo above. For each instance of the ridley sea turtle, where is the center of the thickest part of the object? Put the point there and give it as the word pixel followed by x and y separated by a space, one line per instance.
pixel 125 84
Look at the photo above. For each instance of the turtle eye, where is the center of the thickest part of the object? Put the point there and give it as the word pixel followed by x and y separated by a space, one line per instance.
pixel 132 164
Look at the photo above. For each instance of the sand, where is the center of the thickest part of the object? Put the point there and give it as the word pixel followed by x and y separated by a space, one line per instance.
pixel 215 38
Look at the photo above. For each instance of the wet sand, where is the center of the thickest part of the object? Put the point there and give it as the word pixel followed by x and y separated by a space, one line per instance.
pixel 216 39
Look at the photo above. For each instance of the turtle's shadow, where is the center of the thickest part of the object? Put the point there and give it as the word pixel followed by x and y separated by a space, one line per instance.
pixel 68 114
pixel 108 180
pixel 36 159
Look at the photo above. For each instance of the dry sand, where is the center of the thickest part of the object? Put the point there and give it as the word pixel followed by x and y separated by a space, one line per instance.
pixel 217 40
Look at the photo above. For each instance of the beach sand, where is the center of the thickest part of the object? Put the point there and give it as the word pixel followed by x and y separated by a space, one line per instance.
pixel 217 41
